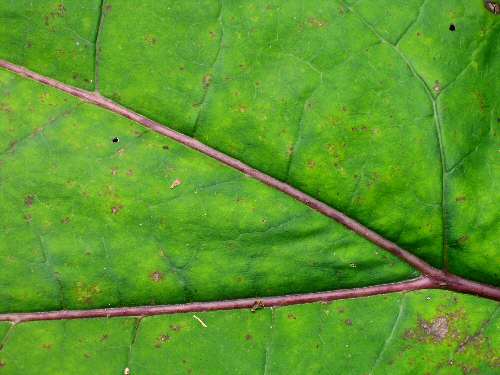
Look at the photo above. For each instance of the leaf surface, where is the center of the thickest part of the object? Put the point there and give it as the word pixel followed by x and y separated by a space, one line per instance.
pixel 387 111
pixel 428 331
pixel 102 224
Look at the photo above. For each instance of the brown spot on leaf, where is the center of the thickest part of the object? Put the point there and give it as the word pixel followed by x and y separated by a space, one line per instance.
pixel 162 339
pixel 116 209
pixel 104 337
pixel 2 364
pixel 248 337
pixel 66 220
pixel 482 102
pixel 175 327
pixel 460 199
pixel 176 183
pixel 28 201
pixel 156 276
pixel 150 39
pixel 348 322
pixel 47 346
pixel 492 6
pixel 291 317
pixel 463 239
pixel 257 306
pixel 438 328
pixel 207 81
pixel 317 23
pixel 437 87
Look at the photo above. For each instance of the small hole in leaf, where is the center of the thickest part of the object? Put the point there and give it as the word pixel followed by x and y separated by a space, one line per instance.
pixel 116 140
pixel 452 27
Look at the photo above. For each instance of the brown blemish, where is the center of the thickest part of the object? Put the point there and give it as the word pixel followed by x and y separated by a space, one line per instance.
pixel 460 199
pixel 28 201
pixel 311 164
pixel 162 339
pixel 86 355
pixel 348 322
pixel 436 329
pixel 463 239
pixel 4 107
pixel 176 183
pixel 116 209
pixel 482 103
pixel 317 23
pixel 104 337
pixel 150 39
pixel 248 337
pixel 257 306
pixel 492 6
pixel 47 346
pixel 2 364
pixel 175 327
pixel 130 172
pixel 437 87
pixel 66 220
pixel 207 81
pixel 156 276
pixel 291 317
pixel 86 293
pixel 114 171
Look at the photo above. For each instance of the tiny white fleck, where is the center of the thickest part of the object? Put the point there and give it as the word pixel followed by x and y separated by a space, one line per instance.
pixel 201 321
pixel 126 371
pixel 428 298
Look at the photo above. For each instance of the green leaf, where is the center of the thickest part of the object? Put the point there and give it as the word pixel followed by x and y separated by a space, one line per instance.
pixel 360 107
pixel 386 111
pixel 414 333
pixel 101 224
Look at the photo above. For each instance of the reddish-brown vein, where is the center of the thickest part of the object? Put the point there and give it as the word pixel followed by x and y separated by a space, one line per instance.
pixel 433 276
pixel 244 303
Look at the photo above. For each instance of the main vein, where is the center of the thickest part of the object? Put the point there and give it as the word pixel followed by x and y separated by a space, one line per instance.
pixel 432 277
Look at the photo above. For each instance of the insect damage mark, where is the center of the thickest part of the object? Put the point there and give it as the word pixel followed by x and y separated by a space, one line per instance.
pixel 438 328
pixel 492 6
